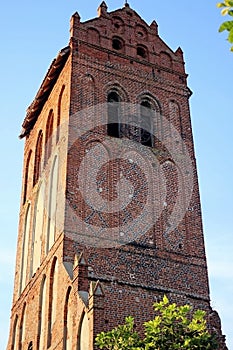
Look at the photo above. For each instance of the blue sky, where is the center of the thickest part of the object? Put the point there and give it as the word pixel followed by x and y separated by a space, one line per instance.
pixel 31 34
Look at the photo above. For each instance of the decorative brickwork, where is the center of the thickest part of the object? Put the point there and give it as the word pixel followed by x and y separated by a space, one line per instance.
pixel 82 266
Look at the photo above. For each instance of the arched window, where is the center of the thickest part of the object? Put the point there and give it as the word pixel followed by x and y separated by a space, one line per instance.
pixel 37 230
pixel 146 123
pixel 27 170
pixel 93 36
pixel 52 299
pixel 15 334
pixel 67 328
pixel 83 337
pixel 23 273
pixel 41 317
pixel 59 109
pixel 113 114
pixel 38 155
pixel 49 136
pixel 22 328
pixel 142 51
pixel 117 44
pixel 52 204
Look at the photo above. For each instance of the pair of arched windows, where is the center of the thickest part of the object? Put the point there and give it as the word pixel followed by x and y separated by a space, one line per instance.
pixel 39 147
pixel 49 138
pixel 118 45
pixel 142 131
pixel 32 247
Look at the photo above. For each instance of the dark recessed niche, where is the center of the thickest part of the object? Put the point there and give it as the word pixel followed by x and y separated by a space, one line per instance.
pixel 140 34
pixel 117 44
pixel 180 246
pixel 141 51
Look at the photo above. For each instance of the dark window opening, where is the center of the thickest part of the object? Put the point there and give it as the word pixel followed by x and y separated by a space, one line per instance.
pixel 146 124
pixel 117 44
pixel 30 346
pixel 141 52
pixel 113 126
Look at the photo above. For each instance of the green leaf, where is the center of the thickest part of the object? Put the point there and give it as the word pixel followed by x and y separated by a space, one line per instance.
pixel 230 36
pixel 227 25
pixel 165 300
pixel 225 11
pixel 220 4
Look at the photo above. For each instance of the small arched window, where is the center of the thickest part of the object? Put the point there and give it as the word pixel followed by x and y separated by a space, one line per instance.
pixel 83 339
pixel 38 155
pixel 117 44
pixel 15 334
pixel 113 114
pixel 52 205
pixel 59 111
pixel 42 312
pixel 48 136
pixel 52 300
pixel 67 328
pixel 25 250
pixel 22 329
pixel 38 222
pixel 146 123
pixel 26 176
pixel 142 51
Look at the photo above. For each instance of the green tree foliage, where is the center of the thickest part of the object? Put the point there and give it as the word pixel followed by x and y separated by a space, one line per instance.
pixel 172 328
pixel 227 9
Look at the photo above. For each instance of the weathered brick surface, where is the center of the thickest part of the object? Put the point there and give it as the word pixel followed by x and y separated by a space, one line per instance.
pixel 117 50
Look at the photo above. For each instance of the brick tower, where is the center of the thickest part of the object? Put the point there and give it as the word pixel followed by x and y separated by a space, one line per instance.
pixel 110 216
